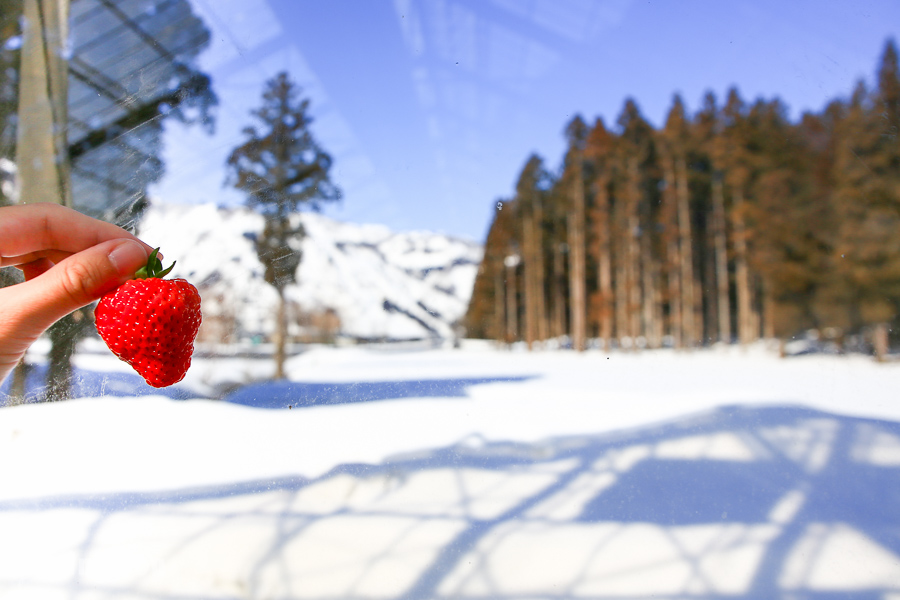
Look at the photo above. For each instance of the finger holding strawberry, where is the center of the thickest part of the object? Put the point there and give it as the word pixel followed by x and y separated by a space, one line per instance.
pixel 151 323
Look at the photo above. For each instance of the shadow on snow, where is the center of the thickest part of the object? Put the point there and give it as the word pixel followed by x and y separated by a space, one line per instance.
pixel 89 384
pixel 294 394
pixel 269 394
pixel 845 472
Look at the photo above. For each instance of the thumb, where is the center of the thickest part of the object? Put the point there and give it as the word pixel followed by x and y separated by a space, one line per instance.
pixel 78 280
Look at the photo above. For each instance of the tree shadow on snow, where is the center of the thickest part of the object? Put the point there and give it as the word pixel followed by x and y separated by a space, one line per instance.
pixel 773 494
pixel 91 384
pixel 809 476
pixel 294 394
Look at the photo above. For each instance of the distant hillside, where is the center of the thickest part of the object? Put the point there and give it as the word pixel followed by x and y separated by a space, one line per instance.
pixel 363 282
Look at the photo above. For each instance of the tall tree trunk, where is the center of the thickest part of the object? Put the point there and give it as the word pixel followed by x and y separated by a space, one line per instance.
pixel 649 282
pixel 604 264
pixel 768 312
pixel 559 282
pixel 499 305
pixel 539 272
pixel 17 387
pixel 658 312
pixel 621 296
pixel 708 324
pixel 64 337
pixel 746 317
pixel 756 306
pixel 673 258
pixel 689 299
pixel 723 302
pixel 280 335
pixel 619 241
pixel 512 304
pixel 577 308
pixel 698 315
pixel 577 274
pixel 880 341
pixel 676 319
pixel 529 287
pixel 633 266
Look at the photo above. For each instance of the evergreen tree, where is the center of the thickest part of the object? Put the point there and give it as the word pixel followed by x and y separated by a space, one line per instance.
pixel 887 105
pixel 677 225
pixel 735 154
pixel 821 136
pixel 530 190
pixel 282 169
pixel 486 316
pixel 599 152
pixel 867 251
pixel 787 222
pixel 556 214
pixel 711 239
pixel 639 187
pixel 573 174
pixel 737 221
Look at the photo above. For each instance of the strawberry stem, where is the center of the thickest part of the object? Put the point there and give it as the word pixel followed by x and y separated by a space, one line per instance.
pixel 153 268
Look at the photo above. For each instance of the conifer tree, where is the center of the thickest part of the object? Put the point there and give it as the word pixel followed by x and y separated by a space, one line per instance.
pixel 738 171
pixel 599 150
pixel 529 193
pixel 676 141
pixel 555 214
pixel 712 243
pixel 738 219
pixel 638 186
pixel 826 302
pixel 576 134
pixel 868 198
pixel 486 315
pixel 282 169
pixel 887 104
pixel 787 223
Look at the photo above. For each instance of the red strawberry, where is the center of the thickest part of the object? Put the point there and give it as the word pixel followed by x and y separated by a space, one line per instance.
pixel 151 323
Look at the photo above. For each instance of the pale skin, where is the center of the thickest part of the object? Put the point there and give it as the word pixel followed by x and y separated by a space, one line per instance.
pixel 68 259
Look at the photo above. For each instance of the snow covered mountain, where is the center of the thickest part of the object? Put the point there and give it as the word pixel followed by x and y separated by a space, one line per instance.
pixel 362 282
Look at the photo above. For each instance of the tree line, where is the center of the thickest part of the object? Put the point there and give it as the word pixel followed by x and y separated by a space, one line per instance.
pixel 731 224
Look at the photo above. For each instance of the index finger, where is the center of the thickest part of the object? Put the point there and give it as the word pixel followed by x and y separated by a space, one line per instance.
pixel 42 227
pixel 54 256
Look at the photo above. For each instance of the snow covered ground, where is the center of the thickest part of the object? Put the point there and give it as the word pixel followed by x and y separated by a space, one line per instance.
pixel 395 472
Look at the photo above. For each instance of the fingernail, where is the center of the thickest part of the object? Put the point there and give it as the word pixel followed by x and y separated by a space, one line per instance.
pixel 127 257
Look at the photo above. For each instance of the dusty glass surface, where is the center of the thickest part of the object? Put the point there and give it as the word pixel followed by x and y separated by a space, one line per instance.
pixel 501 299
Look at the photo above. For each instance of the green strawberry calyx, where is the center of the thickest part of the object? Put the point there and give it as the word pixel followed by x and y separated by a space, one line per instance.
pixel 153 268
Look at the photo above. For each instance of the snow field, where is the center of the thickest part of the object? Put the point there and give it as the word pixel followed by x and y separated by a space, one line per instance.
pixel 478 473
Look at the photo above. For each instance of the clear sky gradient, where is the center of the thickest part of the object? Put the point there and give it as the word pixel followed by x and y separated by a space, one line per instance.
pixel 430 108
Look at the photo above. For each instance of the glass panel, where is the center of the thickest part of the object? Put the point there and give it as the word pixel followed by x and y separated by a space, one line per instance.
pixel 470 299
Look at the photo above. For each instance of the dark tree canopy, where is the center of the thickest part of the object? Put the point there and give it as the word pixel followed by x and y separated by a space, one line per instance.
pixel 280 166
pixel 283 170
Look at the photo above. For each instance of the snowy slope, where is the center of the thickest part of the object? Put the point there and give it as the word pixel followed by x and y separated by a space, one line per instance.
pixel 381 284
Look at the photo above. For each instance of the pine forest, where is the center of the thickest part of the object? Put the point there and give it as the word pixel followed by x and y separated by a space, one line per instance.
pixel 732 224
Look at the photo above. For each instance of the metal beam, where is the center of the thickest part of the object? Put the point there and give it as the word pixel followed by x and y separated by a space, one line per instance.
pixel 41 148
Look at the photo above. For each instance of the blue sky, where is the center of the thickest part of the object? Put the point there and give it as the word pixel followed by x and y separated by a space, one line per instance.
pixel 431 107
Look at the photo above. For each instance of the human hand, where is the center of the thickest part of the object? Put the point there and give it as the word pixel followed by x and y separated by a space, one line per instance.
pixel 69 260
